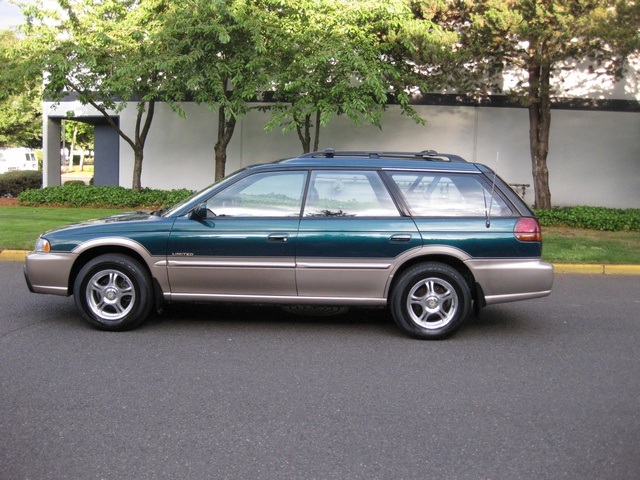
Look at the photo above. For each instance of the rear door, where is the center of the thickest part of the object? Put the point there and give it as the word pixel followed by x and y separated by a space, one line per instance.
pixel 350 237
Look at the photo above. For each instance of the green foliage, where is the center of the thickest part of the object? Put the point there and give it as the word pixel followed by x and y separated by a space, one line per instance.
pixel 74 182
pixel 345 58
pixel 20 96
pixel 215 50
pixel 21 120
pixel 531 37
pixel 216 53
pixel 104 53
pixel 15 182
pixel 79 136
pixel 534 43
pixel 594 218
pixel 319 58
pixel 102 197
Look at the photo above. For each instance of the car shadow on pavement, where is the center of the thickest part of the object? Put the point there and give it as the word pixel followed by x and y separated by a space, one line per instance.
pixel 498 320
pixel 269 317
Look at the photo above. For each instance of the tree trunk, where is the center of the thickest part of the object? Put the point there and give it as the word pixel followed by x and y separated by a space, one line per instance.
pixel 73 145
pixel 539 128
pixel 304 133
pixel 316 142
pixel 226 127
pixel 142 130
pixel 138 156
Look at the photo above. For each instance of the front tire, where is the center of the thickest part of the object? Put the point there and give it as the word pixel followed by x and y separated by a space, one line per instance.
pixel 113 292
pixel 430 301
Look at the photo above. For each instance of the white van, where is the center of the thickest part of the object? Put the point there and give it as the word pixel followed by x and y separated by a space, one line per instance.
pixel 17 158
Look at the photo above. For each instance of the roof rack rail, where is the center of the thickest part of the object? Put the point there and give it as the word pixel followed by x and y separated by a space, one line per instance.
pixel 430 155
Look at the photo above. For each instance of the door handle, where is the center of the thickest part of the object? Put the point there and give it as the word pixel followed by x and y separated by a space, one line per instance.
pixel 278 238
pixel 400 238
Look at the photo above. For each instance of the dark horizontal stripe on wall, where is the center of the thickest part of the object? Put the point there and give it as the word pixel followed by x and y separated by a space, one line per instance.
pixel 504 101
pixel 89 119
pixel 498 101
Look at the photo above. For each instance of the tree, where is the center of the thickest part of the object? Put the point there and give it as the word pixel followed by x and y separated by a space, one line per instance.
pixel 217 53
pixel 102 52
pixel 537 40
pixel 79 138
pixel 342 58
pixel 325 63
pixel 21 120
pixel 316 58
pixel 20 93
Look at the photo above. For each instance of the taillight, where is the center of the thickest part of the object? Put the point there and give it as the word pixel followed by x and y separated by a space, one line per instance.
pixel 527 229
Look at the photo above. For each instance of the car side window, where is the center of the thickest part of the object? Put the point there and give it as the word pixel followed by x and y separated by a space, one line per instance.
pixel 338 193
pixel 270 194
pixel 448 195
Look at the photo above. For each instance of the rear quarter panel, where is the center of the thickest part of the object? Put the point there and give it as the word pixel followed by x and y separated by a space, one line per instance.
pixel 472 236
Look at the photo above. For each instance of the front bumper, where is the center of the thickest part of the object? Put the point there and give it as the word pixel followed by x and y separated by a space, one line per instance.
pixel 49 272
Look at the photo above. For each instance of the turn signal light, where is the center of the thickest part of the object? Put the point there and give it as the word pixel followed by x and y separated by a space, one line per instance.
pixel 42 246
pixel 527 229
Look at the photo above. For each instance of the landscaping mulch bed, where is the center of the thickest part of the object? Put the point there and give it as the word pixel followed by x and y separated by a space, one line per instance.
pixel 8 201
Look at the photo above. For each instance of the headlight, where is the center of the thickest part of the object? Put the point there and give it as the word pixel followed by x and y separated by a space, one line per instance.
pixel 42 245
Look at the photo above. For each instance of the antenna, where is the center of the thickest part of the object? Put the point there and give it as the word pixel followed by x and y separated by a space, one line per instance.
pixel 493 186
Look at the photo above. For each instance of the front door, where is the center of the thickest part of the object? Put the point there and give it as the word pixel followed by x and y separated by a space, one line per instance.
pixel 245 247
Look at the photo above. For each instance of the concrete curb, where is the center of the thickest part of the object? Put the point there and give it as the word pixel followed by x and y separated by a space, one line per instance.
pixel 13 255
pixel 18 256
pixel 597 269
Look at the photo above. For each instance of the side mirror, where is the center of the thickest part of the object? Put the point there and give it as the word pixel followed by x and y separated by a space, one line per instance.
pixel 199 213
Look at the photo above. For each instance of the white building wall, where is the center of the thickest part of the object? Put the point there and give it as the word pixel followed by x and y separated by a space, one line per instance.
pixel 594 159
pixel 178 152
pixel 594 156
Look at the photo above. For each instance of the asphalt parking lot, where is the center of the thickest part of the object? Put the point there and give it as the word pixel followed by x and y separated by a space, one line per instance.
pixel 543 389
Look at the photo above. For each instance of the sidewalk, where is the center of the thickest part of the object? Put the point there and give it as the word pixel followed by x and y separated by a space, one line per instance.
pixel 595 269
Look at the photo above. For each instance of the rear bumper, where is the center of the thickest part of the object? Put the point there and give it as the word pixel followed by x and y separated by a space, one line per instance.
pixel 512 280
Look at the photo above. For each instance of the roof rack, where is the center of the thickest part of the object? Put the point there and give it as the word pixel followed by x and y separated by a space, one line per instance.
pixel 430 155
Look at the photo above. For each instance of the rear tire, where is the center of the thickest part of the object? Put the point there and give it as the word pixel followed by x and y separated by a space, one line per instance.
pixel 430 301
pixel 114 292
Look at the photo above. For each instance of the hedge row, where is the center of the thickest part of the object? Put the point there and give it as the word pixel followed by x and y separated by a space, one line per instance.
pixel 15 182
pixel 102 197
pixel 593 218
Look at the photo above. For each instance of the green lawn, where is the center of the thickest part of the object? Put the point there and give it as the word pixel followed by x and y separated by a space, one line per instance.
pixel 574 245
pixel 20 226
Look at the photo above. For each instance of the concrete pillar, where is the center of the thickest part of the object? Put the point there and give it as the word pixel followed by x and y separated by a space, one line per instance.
pixel 51 152
pixel 106 162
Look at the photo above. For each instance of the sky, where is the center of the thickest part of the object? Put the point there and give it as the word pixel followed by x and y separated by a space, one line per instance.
pixel 10 15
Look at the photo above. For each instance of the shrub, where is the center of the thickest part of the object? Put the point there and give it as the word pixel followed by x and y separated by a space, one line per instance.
pixel 593 218
pixel 17 181
pixel 102 197
pixel 74 182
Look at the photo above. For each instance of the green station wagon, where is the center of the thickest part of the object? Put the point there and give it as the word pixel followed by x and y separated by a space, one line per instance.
pixel 430 235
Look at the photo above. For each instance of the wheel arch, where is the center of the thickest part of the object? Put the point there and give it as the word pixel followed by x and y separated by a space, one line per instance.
pixel 453 261
pixel 90 250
